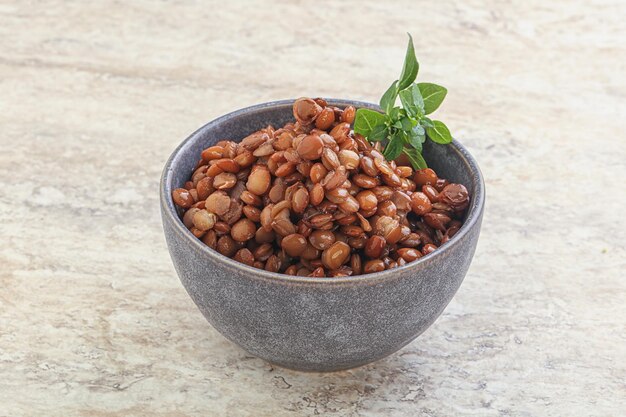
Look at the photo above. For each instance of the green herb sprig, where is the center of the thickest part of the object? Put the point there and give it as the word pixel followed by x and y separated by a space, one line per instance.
pixel 405 129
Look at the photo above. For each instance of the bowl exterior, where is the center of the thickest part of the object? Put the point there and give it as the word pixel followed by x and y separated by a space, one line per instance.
pixel 319 327
pixel 321 324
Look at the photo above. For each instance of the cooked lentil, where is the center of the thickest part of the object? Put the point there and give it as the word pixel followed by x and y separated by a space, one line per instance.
pixel 314 199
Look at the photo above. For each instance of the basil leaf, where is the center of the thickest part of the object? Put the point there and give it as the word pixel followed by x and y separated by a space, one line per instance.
pixel 393 148
pixel 426 122
pixel 433 95
pixel 395 114
pixel 397 124
pixel 416 158
pixel 415 141
pixel 410 68
pixel 366 120
pixel 416 137
pixel 378 133
pixel 389 98
pixel 406 123
pixel 418 130
pixel 412 101
pixel 439 133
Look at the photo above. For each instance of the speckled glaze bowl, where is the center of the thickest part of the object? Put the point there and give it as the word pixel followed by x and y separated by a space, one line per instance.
pixel 317 324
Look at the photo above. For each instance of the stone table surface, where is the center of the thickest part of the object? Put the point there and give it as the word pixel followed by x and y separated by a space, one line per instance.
pixel 95 95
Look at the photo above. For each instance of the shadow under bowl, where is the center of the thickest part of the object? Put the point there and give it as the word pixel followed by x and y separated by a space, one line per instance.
pixel 317 324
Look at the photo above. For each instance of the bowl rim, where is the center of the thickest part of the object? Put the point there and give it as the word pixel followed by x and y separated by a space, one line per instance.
pixel 168 209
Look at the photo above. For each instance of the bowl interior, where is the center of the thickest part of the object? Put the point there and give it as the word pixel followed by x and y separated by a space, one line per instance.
pixel 452 162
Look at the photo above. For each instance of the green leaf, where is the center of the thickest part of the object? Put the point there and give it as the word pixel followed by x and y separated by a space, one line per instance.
pixel 433 95
pixel 410 68
pixel 366 120
pixel 378 133
pixel 439 133
pixel 393 148
pixel 418 130
pixel 412 101
pixel 388 99
pixel 426 122
pixel 406 123
pixel 397 124
pixel 416 137
pixel 395 114
pixel 416 158
pixel 415 141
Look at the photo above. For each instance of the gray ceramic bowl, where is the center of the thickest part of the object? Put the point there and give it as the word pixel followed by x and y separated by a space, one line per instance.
pixel 317 324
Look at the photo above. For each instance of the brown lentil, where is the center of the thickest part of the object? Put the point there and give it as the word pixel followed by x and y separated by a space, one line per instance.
pixel 330 159
pixel 319 220
pixel 318 272
pixel 249 198
pixel 273 264
pixel 318 172
pixel 441 184
pixel 233 213
pixel 212 171
pixel 243 230
pixel 221 228
pixel 431 192
pixel 299 200
pixel 428 248
pixel 365 181
pixel 182 198
pixel 317 194
pixel 214 152
pixel 321 239
pixel 340 132
pixel 349 159
pixel 305 110
pixel 224 181
pixel 244 256
pixel 425 177
pixel 197 232
pixel 348 114
pixel 203 220
pixel 325 119
pixel 283 226
pixel 259 180
pixel 387 208
pixel 420 203
pixel 226 246
pixel 350 205
pixel 294 244
pixel 374 246
pixel 409 254
pixel 310 253
pixel 188 217
pixel 336 255
pixel 437 220
pixel 374 265
pixel 210 239
pixel 218 203
pixel 311 147
pixel 383 193
pixel 455 195
pixel 253 213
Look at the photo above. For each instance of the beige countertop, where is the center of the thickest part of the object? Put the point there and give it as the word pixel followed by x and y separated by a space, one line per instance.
pixel 94 97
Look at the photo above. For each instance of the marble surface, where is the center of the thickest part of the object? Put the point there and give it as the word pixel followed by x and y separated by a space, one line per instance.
pixel 95 95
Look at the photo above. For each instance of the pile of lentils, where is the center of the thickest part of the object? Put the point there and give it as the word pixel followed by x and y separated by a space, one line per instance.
pixel 314 199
